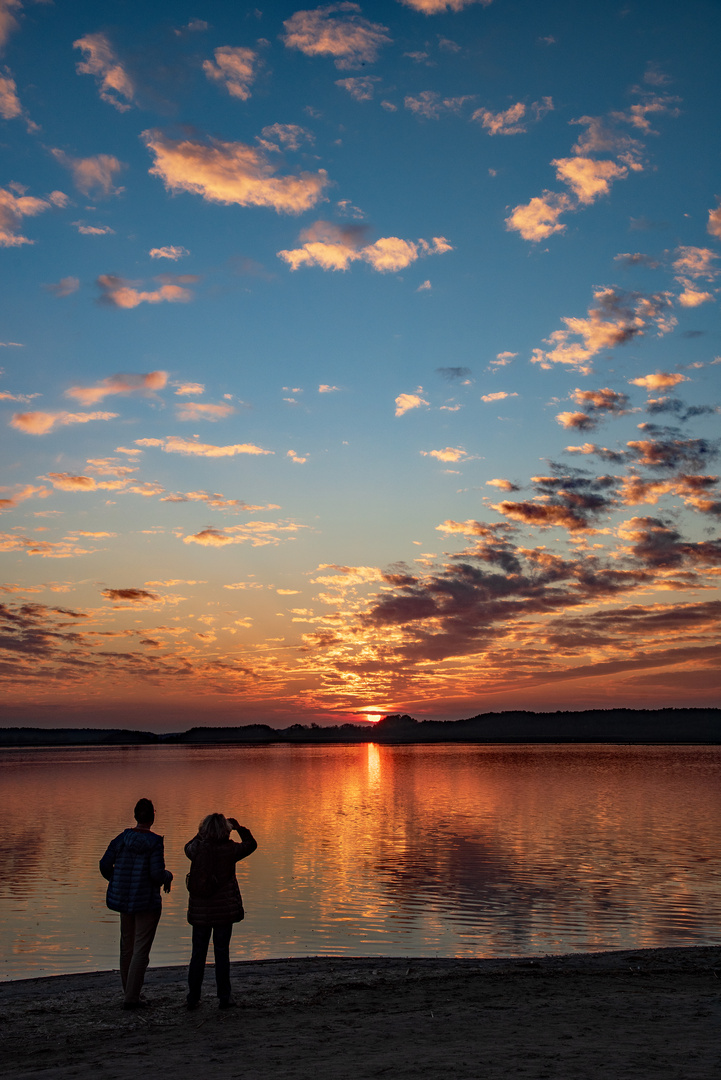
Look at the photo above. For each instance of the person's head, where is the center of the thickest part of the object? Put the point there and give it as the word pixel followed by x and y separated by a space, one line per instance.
pixel 214 827
pixel 144 812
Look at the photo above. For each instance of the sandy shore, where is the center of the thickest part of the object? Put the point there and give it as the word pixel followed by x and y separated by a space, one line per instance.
pixel 647 1013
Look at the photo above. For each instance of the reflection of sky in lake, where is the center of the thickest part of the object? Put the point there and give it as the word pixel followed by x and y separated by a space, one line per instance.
pixel 455 850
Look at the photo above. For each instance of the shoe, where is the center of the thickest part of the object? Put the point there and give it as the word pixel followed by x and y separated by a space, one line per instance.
pixel 227 1003
pixel 142 1004
pixel 192 1002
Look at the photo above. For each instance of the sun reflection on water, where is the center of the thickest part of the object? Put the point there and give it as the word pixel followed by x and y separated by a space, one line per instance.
pixel 405 850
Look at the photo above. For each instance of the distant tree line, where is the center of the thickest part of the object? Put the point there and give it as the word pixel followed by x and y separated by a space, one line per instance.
pixel 675 726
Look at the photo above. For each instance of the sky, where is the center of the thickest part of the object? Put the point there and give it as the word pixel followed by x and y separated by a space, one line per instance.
pixel 358 359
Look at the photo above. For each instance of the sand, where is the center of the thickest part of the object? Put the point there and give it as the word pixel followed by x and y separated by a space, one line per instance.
pixel 647 1013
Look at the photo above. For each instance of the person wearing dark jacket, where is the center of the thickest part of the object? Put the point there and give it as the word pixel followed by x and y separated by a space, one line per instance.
pixel 134 867
pixel 214 901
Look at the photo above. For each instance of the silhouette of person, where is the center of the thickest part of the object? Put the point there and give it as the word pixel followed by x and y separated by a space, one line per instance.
pixel 214 901
pixel 134 866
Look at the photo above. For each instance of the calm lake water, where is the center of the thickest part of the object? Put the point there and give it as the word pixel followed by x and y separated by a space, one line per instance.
pixel 363 850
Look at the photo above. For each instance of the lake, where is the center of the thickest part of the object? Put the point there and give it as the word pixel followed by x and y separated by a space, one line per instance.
pixel 442 850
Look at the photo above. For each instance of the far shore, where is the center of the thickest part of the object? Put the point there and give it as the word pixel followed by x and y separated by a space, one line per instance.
pixel 646 1014
pixel 648 727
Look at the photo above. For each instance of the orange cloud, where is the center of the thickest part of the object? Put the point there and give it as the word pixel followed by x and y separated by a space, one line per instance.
pixel 543 515
pixel 538 219
pixel 579 420
pixel 70 482
pixel 231 173
pixel 46 549
pixel 27 492
pixel 195 410
pixel 588 179
pixel 659 380
pixel 8 22
pixel 435 7
pixel 617 318
pixel 120 293
pixel 101 61
pixel 10 107
pixel 498 396
pixel 144 385
pixel 502 123
pixel 332 247
pixel 174 444
pixel 234 68
pixel 714 222
pixel 691 298
pixel 92 175
pixel 504 485
pixel 13 208
pixel 336 30
pixel 449 454
pixel 40 423
pixel 406 402
pixel 258 533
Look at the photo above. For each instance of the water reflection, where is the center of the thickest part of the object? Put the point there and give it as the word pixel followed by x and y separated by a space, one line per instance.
pixel 455 850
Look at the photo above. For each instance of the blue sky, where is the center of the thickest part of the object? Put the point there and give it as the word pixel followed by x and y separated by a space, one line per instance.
pixel 298 304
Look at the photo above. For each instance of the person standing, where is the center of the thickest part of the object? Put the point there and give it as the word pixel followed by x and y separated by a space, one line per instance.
pixel 134 867
pixel 214 901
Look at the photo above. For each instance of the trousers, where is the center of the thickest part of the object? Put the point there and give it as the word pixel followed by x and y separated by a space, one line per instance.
pixel 137 931
pixel 221 951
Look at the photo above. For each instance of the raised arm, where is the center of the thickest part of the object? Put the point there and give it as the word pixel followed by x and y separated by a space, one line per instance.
pixel 247 844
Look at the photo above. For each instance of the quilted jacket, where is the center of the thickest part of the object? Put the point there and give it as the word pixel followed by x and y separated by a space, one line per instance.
pixel 134 866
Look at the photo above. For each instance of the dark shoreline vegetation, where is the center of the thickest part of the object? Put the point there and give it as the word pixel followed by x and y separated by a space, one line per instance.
pixel 646 726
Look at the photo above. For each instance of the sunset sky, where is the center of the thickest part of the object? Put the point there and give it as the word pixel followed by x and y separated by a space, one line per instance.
pixel 358 359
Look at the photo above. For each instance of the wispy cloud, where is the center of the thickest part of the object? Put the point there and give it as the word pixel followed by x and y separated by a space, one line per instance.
pixel 360 87
pixel 185 389
pixel 116 85
pixel 13 208
pixel 231 173
pixel 197 410
pixel 513 120
pixel 284 136
pixel 28 491
pixel 338 31
pixel 40 423
pixel 234 68
pixel 175 444
pixel 144 385
pixel 8 22
pixel 431 105
pixel 65 287
pixel 172 251
pixel 617 318
pixel 120 293
pixel 437 7
pixel 92 175
pixel 714 222
pixel 334 247
pixel 257 533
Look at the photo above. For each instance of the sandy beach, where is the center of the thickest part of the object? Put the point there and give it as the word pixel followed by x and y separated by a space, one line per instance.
pixel 641 1013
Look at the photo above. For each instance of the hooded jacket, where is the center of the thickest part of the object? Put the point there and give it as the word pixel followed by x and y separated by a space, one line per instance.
pixel 134 866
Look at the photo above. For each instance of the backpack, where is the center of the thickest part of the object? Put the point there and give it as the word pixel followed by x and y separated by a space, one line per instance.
pixel 202 879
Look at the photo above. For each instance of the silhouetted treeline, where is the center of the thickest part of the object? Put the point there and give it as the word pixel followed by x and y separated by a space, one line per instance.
pixel 591 725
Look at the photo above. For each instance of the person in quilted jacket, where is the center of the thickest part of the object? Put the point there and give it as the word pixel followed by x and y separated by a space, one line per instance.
pixel 214 901
pixel 134 867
